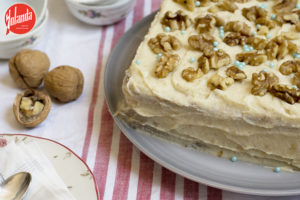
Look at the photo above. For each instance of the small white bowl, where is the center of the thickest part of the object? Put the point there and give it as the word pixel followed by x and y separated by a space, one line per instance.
pixel 39 7
pixel 9 48
pixel 100 14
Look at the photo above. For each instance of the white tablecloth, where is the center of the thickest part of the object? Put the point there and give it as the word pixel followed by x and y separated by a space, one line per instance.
pixel 85 126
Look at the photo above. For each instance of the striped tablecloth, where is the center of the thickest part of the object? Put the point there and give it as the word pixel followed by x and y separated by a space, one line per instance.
pixel 121 170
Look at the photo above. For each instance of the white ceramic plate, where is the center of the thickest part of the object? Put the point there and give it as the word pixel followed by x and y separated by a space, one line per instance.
pixel 218 172
pixel 73 171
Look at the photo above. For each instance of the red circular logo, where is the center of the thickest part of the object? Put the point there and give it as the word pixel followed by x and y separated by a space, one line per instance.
pixel 19 19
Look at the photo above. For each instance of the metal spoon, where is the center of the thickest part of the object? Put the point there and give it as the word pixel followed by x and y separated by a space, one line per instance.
pixel 14 187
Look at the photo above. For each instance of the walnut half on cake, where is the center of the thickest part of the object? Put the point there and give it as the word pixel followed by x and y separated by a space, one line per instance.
pixel 224 77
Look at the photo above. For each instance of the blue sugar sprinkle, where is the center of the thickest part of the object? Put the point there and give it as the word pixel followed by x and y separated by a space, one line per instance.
pixel 159 56
pixel 167 29
pixel 237 63
pixel 296 55
pixel 216 49
pixel 264 6
pixel 295 86
pixel 222 35
pixel 255 33
pixel 233 158
pixel 243 64
pixel 138 61
pixel 246 48
pixel 271 65
pixel 216 44
pixel 273 16
pixel 268 35
pixel 265 70
pixel 277 169
pixel 240 67
pixel 298 6
pixel 251 48
pixel 221 27
pixel 197 3
pixel 192 59
pixel 182 32
pixel 258 26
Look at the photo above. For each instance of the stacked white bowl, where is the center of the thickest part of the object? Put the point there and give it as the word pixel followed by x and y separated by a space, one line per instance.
pixel 100 12
pixel 12 43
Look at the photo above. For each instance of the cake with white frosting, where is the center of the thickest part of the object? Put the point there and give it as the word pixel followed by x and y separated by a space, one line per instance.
pixel 222 75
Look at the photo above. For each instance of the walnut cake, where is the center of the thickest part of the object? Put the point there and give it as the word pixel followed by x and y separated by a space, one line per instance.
pixel 223 75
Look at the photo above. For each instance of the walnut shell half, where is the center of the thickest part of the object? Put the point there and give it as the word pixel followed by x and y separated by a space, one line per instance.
pixel 28 68
pixel 31 107
pixel 64 83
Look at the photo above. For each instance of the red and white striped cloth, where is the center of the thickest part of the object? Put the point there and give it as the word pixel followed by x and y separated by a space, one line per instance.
pixel 121 170
pixel 85 126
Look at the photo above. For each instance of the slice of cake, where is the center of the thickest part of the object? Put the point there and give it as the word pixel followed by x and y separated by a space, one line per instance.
pixel 221 75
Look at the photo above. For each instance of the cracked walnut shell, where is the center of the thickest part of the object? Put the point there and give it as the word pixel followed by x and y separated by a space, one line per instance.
pixel 28 68
pixel 64 83
pixel 163 43
pixel 31 107
pixel 176 21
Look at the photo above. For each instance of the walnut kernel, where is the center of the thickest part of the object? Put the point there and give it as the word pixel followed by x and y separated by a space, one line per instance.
pixel 167 64
pixel 218 82
pixel 262 82
pixel 251 58
pixel 191 74
pixel 228 5
pixel 237 26
pixel 233 39
pixel 236 73
pixel 163 43
pixel 205 24
pixel 176 21
pixel 201 43
pixel 285 6
pixel 286 93
pixel 289 67
pixel 190 4
pixel 254 13
pixel 219 59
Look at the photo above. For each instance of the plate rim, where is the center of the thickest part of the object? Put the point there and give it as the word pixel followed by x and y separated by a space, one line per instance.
pixel 121 124
pixel 67 148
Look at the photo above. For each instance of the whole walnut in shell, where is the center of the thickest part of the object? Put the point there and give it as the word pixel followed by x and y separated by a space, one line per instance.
pixel 64 83
pixel 28 68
